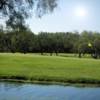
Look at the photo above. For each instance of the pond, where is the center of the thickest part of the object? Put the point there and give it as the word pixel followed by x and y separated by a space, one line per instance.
pixel 16 91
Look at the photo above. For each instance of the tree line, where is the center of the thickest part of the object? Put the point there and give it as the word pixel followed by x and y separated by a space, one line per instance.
pixel 25 41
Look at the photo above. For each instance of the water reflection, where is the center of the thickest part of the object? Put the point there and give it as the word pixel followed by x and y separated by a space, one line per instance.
pixel 12 91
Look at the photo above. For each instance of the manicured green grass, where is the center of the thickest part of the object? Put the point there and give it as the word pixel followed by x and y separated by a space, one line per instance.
pixel 49 68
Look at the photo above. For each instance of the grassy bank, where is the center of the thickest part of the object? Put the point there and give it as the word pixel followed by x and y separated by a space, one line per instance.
pixel 31 67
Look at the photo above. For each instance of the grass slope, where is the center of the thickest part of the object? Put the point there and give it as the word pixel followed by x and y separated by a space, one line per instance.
pixel 49 68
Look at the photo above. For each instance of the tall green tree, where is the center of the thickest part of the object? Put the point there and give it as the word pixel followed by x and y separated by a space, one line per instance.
pixel 21 9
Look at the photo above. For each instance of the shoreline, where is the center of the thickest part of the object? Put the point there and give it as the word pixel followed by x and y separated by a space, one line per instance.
pixel 81 83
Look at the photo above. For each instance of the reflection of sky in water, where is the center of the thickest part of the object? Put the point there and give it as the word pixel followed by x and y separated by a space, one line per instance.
pixel 46 92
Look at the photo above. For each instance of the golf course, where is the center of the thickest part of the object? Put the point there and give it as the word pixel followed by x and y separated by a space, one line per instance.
pixel 35 67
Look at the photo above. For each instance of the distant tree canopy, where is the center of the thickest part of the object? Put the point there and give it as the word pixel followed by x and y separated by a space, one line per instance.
pixel 25 41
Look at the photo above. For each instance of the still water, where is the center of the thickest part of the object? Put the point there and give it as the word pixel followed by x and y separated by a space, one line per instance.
pixel 15 91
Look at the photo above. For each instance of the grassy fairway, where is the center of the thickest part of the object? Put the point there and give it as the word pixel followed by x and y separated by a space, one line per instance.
pixel 49 68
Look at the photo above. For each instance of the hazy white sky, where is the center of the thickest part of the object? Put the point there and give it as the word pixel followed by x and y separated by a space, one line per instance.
pixel 70 15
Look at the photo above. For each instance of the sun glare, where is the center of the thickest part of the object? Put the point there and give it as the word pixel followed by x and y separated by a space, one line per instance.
pixel 80 12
